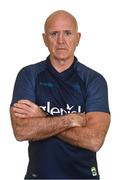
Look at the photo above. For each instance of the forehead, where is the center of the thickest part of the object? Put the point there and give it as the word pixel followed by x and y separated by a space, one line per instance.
pixel 60 22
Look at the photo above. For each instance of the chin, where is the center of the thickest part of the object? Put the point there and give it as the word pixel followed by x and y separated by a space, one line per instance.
pixel 61 57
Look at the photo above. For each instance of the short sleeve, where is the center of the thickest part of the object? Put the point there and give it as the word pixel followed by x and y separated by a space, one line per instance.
pixel 24 87
pixel 97 95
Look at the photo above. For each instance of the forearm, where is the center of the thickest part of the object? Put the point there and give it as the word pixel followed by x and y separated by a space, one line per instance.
pixel 90 136
pixel 79 136
pixel 47 127
pixel 38 128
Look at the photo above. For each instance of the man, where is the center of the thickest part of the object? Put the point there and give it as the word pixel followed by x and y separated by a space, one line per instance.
pixel 61 107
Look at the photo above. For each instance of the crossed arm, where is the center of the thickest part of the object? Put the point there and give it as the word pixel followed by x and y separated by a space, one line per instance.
pixel 83 130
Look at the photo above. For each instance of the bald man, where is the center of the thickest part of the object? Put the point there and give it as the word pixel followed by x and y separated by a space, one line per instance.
pixel 61 107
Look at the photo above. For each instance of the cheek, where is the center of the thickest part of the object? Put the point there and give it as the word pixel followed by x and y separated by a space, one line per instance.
pixel 51 46
pixel 72 44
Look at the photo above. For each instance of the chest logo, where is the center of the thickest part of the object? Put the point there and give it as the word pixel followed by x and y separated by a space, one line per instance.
pixel 55 110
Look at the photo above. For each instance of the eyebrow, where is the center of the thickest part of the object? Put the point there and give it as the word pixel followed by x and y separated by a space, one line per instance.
pixel 56 31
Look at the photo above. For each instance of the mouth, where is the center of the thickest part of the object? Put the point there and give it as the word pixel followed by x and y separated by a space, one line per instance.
pixel 61 49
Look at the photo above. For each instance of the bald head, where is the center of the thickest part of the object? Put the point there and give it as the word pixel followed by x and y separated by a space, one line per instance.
pixel 60 14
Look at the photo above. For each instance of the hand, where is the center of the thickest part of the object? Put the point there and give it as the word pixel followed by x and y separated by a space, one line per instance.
pixel 78 119
pixel 27 109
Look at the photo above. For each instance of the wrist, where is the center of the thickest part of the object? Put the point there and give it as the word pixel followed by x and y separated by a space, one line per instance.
pixel 77 120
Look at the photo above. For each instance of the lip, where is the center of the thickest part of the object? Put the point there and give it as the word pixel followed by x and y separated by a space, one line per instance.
pixel 61 49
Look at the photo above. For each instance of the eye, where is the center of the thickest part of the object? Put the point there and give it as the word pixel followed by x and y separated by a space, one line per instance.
pixel 54 34
pixel 68 33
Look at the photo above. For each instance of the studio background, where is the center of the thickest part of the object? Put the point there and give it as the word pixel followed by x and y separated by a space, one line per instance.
pixel 21 26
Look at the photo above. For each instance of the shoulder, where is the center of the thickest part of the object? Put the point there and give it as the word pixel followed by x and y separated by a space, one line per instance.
pixel 24 87
pixel 33 69
pixel 88 75
pixel 96 90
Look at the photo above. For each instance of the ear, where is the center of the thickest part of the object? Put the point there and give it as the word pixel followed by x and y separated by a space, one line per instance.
pixel 78 38
pixel 45 39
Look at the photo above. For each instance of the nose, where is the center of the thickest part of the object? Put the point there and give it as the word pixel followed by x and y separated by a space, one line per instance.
pixel 60 38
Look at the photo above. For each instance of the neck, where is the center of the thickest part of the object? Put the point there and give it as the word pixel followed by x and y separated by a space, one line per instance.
pixel 61 64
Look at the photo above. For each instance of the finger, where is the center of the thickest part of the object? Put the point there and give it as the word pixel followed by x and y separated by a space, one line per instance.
pixel 82 114
pixel 18 115
pixel 33 107
pixel 27 102
pixel 19 110
pixel 22 106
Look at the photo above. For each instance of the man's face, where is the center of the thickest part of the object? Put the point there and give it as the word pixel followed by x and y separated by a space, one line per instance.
pixel 61 37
